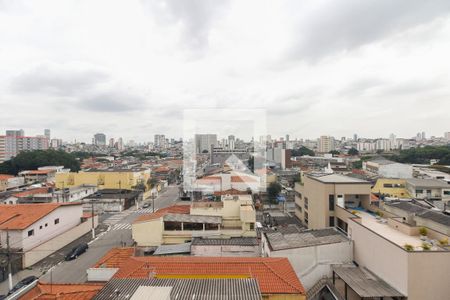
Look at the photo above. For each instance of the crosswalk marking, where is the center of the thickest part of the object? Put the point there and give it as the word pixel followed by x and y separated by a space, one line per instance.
pixel 145 211
pixel 116 218
pixel 121 226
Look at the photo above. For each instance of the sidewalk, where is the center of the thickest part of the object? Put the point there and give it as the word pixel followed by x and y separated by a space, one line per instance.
pixel 44 265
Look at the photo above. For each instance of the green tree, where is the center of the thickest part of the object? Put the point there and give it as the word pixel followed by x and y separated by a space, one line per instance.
pixel 31 160
pixel 353 151
pixel 334 152
pixel 302 151
pixel 251 163
pixel 273 191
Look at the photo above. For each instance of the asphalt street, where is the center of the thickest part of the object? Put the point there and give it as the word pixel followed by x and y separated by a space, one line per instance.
pixel 119 233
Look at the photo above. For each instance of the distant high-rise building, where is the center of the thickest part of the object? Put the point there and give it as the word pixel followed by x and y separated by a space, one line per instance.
pixel 120 144
pixel 424 137
pixel 326 144
pixel 231 142
pixel 160 141
pixel 100 139
pixel 15 141
pixel 287 137
pixel 203 142
pixel 47 134
pixel 355 137
pixel 111 143
pixel 447 135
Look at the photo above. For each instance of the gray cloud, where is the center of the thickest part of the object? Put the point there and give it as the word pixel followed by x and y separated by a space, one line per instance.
pixel 112 101
pixel 60 80
pixel 341 26
pixel 195 16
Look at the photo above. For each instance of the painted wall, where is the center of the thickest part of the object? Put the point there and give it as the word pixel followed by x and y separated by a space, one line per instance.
pixel 148 233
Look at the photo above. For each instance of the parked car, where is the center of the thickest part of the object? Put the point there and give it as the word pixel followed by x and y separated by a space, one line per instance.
pixel 77 251
pixel 146 205
pixel 23 283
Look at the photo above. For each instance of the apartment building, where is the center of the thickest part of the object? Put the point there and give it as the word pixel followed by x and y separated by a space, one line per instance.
pixel 204 142
pixel 390 187
pixel 318 197
pixel 234 216
pixel 15 141
pixel 326 144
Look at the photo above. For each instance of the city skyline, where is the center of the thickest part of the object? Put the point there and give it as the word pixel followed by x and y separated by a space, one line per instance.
pixel 175 56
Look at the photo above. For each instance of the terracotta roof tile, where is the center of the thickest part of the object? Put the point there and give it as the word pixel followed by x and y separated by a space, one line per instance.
pixel 242 179
pixel 44 291
pixel 174 209
pixel 5 176
pixel 274 275
pixel 31 192
pixel 20 216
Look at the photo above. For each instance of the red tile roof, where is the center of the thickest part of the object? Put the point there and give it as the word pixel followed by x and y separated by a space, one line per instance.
pixel 230 192
pixel 274 275
pixel 31 192
pixel 20 216
pixel 5 176
pixel 44 291
pixel 242 179
pixel 38 172
pixel 174 209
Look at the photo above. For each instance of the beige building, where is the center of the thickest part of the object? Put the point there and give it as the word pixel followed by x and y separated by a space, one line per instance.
pixel 234 216
pixel 318 195
pixel 379 246
pixel 326 144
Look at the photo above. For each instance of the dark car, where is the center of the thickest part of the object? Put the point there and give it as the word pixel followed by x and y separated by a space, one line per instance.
pixel 24 282
pixel 77 251
pixel 146 205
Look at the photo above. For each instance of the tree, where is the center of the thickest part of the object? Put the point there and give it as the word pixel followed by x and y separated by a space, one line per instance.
pixel 273 191
pixel 251 163
pixel 353 151
pixel 334 152
pixel 31 160
pixel 302 151
pixel 152 182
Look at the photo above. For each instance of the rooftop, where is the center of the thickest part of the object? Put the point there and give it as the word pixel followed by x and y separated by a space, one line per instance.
pixel 432 183
pixel 173 249
pixel 274 275
pixel 184 289
pixel 45 291
pixel 436 216
pixel 279 240
pixel 407 206
pixel 31 192
pixel 335 178
pixel 20 216
pixel 365 283
pixel 383 229
pixel 174 209
pixel 235 241
pixel 188 218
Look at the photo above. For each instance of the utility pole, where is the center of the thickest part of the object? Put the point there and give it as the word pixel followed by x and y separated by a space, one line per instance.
pixel 92 217
pixel 10 285
pixel 120 196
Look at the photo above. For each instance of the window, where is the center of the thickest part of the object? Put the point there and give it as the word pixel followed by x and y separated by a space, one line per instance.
pixel 56 221
pixel 252 226
pixel 419 191
pixel 331 202
pixel 387 185
pixel 306 218
pixel 331 221
pixel 428 191
pixel 298 207
pixel 357 196
pixel 46 224
pixel 306 203
pixel 40 227
pixel 31 232
pixel 447 192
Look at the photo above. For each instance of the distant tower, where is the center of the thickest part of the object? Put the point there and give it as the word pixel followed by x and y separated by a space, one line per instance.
pixel 100 139
pixel 47 133
pixel 355 137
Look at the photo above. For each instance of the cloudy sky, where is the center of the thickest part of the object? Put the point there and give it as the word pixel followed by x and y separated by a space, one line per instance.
pixel 131 68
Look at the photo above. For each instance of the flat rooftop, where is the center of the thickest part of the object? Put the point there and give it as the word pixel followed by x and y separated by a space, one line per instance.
pixel 289 239
pixel 336 178
pixel 383 229
pixel 429 183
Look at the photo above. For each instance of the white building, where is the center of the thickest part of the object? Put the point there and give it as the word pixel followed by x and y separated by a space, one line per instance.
pixel 388 169
pixel 311 252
